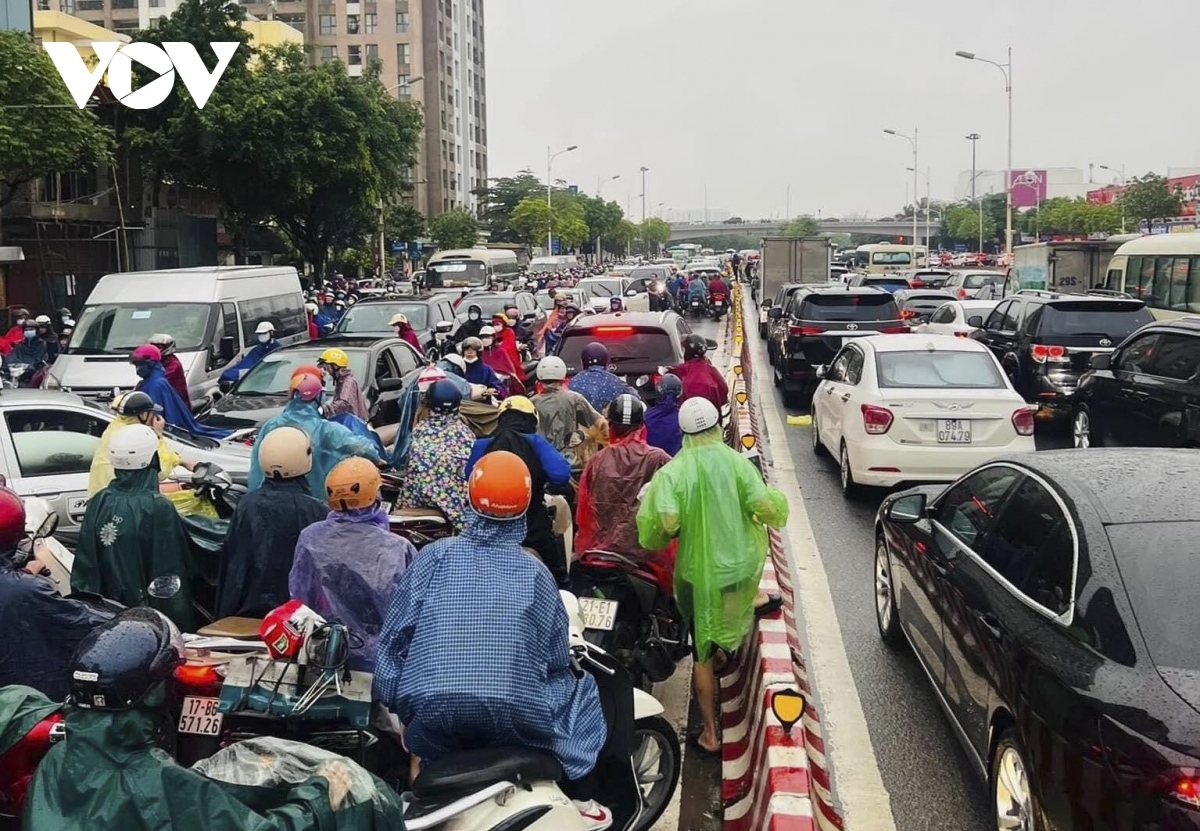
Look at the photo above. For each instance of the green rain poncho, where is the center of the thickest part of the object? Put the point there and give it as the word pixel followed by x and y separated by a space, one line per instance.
pixel 714 500
pixel 130 535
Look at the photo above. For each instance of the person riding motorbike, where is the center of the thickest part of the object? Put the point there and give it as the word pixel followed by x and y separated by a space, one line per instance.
pixel 348 566
pixel 172 366
pixel 498 359
pixel 265 335
pixel 16 332
pixel 147 360
pixel 433 472
pixel 562 412
pixel 47 335
pixel 471 326
pixel 506 340
pixel 718 287
pixel 662 419
pixel 331 442
pixel 479 372
pixel 131 534
pixel 30 352
pixel 43 627
pixel 514 686
pixel 347 396
pixel 260 545
pixel 594 382
pixel 700 378
pixel 714 500
pixel 406 332
pixel 517 432
pixel 606 512
pixel 697 289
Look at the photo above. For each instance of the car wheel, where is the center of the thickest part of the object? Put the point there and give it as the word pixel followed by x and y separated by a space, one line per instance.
pixel 850 488
pixel 1083 433
pixel 1014 804
pixel 818 447
pixel 886 615
pixel 777 377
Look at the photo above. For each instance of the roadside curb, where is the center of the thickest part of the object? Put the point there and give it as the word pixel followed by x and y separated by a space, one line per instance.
pixel 771 778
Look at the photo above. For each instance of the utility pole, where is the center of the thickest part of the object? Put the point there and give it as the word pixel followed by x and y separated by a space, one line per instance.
pixel 973 138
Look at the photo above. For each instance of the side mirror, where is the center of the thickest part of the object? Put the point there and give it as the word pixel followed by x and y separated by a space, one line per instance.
pixel 710 343
pixel 775 313
pixel 529 316
pixel 46 529
pixel 227 349
pixel 821 371
pixel 907 509
pixel 1101 361
pixel 631 293
pixel 975 321
pixel 390 384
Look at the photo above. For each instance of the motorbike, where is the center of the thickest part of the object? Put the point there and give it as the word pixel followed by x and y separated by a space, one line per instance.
pixel 718 306
pixel 28 736
pixel 212 484
pixel 631 614
pixel 696 306
pixel 41 521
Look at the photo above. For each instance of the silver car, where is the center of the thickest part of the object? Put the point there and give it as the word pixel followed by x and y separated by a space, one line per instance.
pixel 48 439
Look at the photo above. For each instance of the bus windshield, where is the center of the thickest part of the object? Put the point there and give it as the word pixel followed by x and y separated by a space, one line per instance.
pixel 456 274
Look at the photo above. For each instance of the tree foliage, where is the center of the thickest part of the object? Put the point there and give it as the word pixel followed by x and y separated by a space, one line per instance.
pixel 654 232
pixel 1148 197
pixel 531 220
pixel 403 223
pixel 960 223
pixel 804 226
pixel 501 197
pixel 41 130
pixel 1071 216
pixel 454 229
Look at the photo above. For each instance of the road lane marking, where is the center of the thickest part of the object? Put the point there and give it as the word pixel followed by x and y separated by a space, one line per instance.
pixel 864 801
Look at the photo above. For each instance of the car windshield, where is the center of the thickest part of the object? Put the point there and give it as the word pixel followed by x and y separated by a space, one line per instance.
pixel 117 329
pixel 938 370
pixel 455 274
pixel 1157 561
pixel 662 273
pixel 273 373
pixel 1114 320
pixel 374 317
pixel 489 304
pixel 978 281
pixel 545 301
pixel 626 345
pixel 601 288
pixel 873 306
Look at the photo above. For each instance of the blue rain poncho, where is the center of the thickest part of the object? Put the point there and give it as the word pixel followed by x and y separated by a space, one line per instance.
pixel 175 412
pixel 347 569
pixel 331 443
pixel 715 502
pixel 474 653
pixel 250 360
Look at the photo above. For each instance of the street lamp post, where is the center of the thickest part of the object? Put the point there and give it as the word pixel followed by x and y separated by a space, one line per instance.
pixel 928 200
pixel 644 170
pixel 1120 173
pixel 974 138
pixel 1006 70
pixel 550 157
pixel 913 141
pixel 600 183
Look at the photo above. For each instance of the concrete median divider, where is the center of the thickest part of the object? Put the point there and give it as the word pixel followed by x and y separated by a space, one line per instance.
pixel 774 779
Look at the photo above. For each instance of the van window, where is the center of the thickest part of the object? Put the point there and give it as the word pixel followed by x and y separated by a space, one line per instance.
pixel 286 313
pixel 453 274
pixel 227 327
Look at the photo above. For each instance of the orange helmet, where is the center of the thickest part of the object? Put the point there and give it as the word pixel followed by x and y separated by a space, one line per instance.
pixel 308 382
pixel 500 486
pixel 353 483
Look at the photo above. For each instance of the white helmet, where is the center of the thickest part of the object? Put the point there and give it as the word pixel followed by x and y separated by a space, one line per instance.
pixel 312 308
pixel 397 319
pixel 457 361
pixel 551 368
pixel 697 415
pixel 132 447
pixel 286 453
pixel 429 376
pixel 164 342
pixel 42 320
pixel 265 328
pixel 487 331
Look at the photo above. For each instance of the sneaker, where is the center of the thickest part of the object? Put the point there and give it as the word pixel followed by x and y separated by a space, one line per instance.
pixel 594 815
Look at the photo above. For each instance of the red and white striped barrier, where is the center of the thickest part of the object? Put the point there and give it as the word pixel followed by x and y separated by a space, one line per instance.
pixel 772 779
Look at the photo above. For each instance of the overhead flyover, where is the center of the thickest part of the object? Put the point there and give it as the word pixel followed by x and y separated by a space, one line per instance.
pixel 684 231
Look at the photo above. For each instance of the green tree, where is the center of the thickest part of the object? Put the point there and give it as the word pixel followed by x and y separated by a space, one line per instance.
pixel 654 232
pixel 622 235
pixel 569 224
pixel 403 223
pixel 804 226
pixel 501 197
pixel 41 130
pixel 1148 198
pixel 454 229
pixel 531 220
pixel 960 223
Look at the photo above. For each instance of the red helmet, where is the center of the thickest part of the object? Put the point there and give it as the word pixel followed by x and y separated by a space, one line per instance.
pixel 12 520
pixel 145 352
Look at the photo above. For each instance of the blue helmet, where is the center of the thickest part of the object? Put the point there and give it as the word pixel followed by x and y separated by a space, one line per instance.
pixel 594 354
pixel 443 397
pixel 670 385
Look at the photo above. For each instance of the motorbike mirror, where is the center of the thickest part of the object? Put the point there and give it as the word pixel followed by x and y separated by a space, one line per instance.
pixel 710 343
pixel 3 481
pixel 390 384
pixel 48 526
pixel 631 293
pixel 164 587
pixel 642 381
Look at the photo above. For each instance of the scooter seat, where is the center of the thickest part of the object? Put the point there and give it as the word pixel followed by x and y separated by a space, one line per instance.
pixel 473 770
pixel 421 514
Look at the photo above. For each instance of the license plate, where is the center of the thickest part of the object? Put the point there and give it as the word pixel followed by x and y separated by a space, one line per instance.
pixel 200 716
pixel 597 613
pixel 953 431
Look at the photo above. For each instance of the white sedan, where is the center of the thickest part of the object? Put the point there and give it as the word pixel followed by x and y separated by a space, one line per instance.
pixel 915 408
pixel 959 318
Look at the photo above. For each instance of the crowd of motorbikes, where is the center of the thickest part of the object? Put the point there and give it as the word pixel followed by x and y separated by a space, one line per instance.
pixel 711 304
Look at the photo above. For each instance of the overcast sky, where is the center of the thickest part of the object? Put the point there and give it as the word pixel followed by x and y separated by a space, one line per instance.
pixel 813 85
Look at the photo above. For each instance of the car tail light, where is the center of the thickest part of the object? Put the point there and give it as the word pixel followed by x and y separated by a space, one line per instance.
pixel 962 334
pixel 1041 353
pixel 917 284
pixel 800 331
pixel 613 331
pixel 198 677
pixel 1186 789
pixel 907 314
pixel 876 420
pixel 894 330
pixel 962 294
pixel 1022 421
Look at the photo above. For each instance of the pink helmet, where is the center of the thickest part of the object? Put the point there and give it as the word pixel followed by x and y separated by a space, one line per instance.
pixel 429 376
pixel 145 353
pixel 306 386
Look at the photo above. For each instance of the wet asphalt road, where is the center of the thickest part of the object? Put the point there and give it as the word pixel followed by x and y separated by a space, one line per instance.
pixel 925 770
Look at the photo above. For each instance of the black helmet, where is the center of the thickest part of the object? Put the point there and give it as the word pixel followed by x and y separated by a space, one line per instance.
pixel 627 411
pixel 670 385
pixel 595 354
pixel 444 396
pixel 122 661
pixel 694 346
pixel 136 403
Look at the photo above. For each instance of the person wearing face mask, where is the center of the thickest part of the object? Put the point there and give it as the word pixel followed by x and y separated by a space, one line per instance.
pixel 131 408
pixel 478 372
pixel 311 311
pixel 266 344
pixel 506 339
pixel 47 335
pixel 494 356
pixel 28 356
pixel 147 360
pixel 346 394
pixel 405 332
pixel 171 365
pixel 17 332
pixel 64 337
pixel 471 326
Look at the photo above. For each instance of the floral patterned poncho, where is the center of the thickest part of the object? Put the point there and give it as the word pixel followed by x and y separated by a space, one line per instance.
pixel 435 472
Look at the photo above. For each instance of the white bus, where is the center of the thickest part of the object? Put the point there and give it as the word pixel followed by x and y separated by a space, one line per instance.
pixel 881 258
pixel 1163 271
pixel 469 268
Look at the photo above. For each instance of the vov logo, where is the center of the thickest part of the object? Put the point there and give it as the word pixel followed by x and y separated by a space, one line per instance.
pixel 118 60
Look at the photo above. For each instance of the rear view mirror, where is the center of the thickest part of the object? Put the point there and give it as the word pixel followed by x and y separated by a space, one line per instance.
pixel 48 526
pixel 631 293
pixel 529 316
pixel 390 384
pixel 1101 361
pixel 775 313
pixel 164 587
pixel 227 349
pixel 710 343
pixel 821 371
pixel 907 509
pixel 975 321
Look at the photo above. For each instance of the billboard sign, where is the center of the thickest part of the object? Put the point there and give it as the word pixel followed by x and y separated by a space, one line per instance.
pixel 1028 188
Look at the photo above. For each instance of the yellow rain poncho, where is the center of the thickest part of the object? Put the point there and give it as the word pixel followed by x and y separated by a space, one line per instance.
pixel 101 473
pixel 714 500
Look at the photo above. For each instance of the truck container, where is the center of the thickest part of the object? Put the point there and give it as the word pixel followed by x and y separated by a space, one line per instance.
pixel 791 260
pixel 1073 267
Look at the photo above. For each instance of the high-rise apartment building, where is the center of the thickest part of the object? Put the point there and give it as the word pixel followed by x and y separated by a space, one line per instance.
pixel 431 51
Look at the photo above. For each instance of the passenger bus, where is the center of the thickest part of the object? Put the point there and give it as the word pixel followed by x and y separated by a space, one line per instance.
pixel 469 268
pixel 881 258
pixel 683 252
pixel 1163 271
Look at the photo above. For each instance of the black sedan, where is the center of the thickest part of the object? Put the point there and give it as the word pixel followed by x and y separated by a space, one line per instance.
pixel 1049 599
pixel 372 317
pixel 383 366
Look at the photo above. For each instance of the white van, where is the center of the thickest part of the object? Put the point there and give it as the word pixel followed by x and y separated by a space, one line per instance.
pixel 469 268
pixel 552 265
pixel 211 312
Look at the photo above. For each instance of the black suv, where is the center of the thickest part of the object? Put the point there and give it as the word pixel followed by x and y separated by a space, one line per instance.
pixel 816 322
pixel 1146 393
pixel 1045 341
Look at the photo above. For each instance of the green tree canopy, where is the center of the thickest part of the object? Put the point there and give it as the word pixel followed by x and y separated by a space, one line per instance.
pixel 454 229
pixel 403 223
pixel 1071 216
pixel 804 226
pixel 501 197
pixel 1148 197
pixel 531 220
pixel 41 130
pixel 654 232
